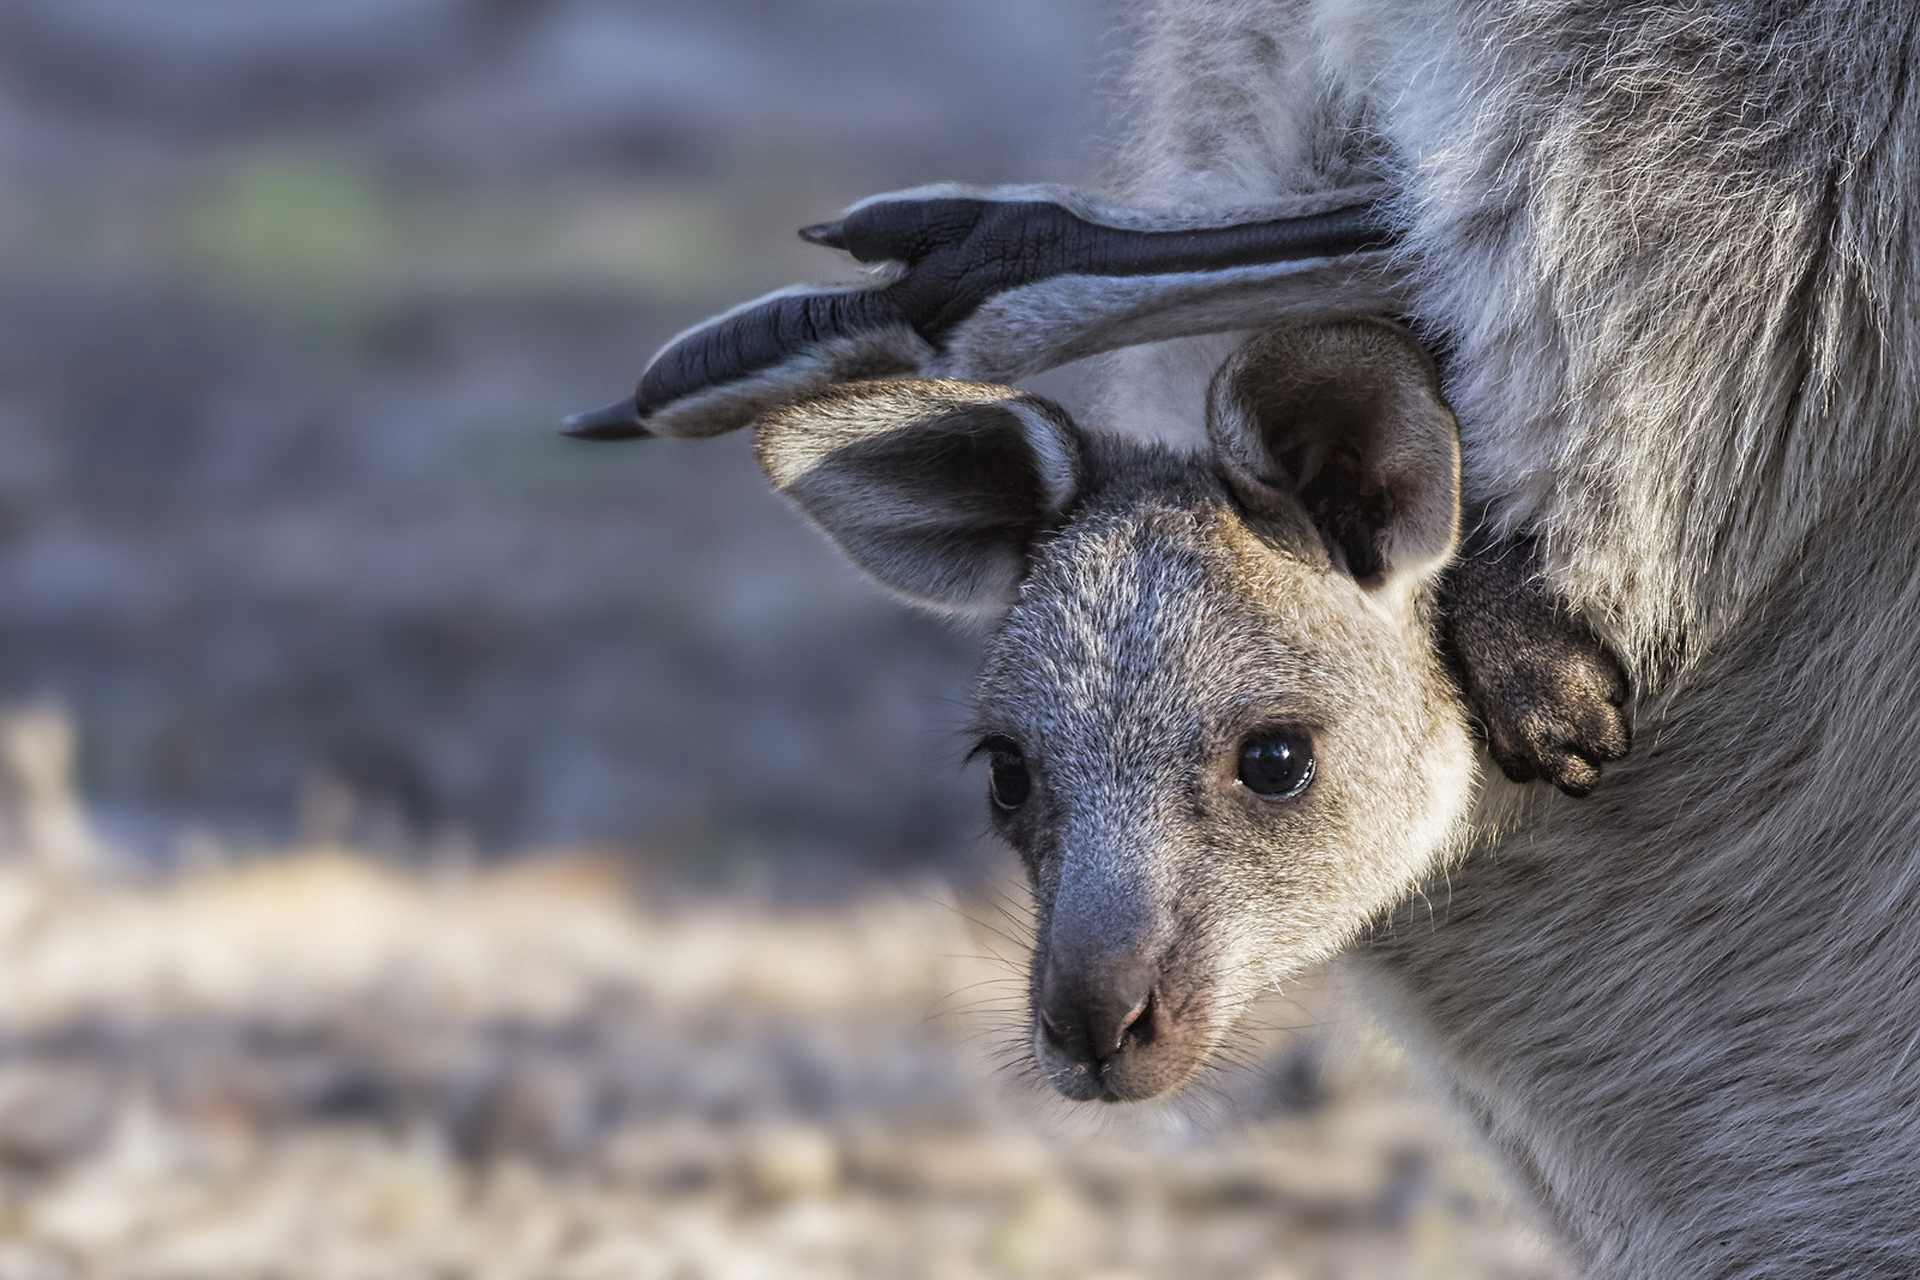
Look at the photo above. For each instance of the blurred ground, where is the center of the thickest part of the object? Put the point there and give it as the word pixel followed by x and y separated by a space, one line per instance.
pixel 308 1063
pixel 314 1067
pixel 290 300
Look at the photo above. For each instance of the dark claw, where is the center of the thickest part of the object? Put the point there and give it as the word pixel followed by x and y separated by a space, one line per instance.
pixel 1572 774
pixel 1550 720
pixel 617 421
pixel 831 234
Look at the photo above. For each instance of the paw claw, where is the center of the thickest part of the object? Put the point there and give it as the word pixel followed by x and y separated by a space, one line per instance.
pixel 1575 777
pixel 1558 738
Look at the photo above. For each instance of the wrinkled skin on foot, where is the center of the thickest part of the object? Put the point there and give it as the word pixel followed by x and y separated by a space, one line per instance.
pixel 1546 693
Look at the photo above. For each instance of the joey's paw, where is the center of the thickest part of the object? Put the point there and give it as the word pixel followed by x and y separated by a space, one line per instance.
pixel 1552 705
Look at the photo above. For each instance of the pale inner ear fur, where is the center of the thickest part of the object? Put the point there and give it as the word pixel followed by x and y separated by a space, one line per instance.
pixel 1344 421
pixel 935 488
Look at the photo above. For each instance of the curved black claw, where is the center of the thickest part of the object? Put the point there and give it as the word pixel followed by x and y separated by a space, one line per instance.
pixel 617 421
pixel 1547 693
pixel 830 234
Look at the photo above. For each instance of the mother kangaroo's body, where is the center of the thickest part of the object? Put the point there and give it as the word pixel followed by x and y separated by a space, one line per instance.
pixel 1672 251
pixel 1668 252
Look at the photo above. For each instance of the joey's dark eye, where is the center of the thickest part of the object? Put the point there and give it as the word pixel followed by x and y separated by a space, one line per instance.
pixel 1007 780
pixel 1276 763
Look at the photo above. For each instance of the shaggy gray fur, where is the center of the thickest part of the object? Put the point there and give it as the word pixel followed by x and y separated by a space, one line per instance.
pixel 1672 250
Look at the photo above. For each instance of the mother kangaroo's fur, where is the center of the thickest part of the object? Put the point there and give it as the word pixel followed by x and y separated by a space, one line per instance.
pixel 1670 251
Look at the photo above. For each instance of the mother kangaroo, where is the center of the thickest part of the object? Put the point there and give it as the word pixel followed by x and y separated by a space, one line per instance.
pixel 1667 253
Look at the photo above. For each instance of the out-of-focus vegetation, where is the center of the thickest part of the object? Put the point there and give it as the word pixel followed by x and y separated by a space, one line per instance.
pixel 292 299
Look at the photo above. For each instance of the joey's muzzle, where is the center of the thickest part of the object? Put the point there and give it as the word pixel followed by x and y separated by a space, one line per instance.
pixel 1091 1025
pixel 1117 1032
pixel 1112 1001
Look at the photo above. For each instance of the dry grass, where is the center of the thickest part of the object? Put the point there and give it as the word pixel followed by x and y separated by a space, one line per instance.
pixel 316 1066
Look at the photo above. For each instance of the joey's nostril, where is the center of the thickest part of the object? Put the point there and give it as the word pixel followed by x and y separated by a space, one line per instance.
pixel 1137 1025
pixel 1054 1036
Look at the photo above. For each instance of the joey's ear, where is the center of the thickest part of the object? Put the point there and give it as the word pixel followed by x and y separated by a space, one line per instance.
pixel 936 488
pixel 1344 420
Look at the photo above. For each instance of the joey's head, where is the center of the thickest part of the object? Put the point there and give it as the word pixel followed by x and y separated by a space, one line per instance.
pixel 1216 726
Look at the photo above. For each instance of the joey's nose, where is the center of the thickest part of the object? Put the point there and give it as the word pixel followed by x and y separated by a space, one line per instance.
pixel 1091 1018
pixel 1095 1033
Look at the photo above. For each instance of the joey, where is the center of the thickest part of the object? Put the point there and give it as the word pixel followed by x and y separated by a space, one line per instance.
pixel 1671 250
pixel 1219 729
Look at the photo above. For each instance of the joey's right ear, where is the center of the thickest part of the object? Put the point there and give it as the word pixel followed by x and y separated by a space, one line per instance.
pixel 1345 421
pixel 936 488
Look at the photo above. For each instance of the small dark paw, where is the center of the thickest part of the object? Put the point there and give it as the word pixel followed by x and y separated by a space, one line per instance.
pixel 1553 711
pixel 1545 691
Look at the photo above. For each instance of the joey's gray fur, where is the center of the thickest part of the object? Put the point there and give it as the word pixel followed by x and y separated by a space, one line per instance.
pixel 1158 632
pixel 1672 250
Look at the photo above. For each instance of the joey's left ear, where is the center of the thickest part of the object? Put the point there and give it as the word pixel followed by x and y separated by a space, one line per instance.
pixel 937 488
pixel 1344 420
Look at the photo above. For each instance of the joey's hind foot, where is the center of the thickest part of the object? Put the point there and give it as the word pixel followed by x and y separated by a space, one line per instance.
pixel 1547 693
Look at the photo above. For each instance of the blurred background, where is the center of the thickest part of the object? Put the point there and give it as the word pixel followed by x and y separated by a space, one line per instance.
pixel 434 848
